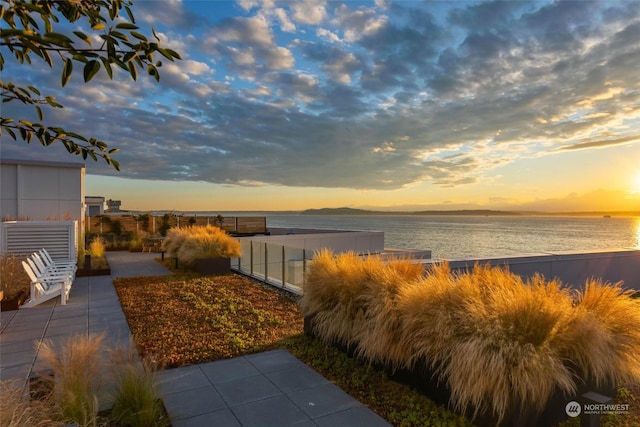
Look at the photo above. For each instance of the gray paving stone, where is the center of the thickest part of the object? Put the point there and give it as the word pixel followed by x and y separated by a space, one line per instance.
pixel 221 418
pixel 272 361
pixel 16 346
pixel 245 390
pixel 276 411
pixel 193 402
pixel 227 370
pixel 296 377
pixel 181 379
pixel 322 400
pixel 18 358
pixel 18 373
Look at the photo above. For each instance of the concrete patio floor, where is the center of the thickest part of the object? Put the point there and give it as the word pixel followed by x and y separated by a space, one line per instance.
pixel 265 389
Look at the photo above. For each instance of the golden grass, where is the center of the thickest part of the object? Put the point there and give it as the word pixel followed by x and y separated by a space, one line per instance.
pixel 191 243
pixel 17 409
pixel 77 366
pixel 502 345
pixel 97 248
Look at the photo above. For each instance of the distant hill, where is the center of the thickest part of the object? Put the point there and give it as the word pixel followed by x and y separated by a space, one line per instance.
pixel 343 211
pixel 351 211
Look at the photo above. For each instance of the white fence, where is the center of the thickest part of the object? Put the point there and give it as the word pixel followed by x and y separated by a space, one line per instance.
pixel 572 268
pixel 59 238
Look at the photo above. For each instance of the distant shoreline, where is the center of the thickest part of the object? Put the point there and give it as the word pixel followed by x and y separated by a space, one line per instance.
pixel 465 212
pixel 344 211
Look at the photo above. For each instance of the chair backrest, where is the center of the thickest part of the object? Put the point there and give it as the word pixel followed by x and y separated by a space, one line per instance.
pixel 38 262
pixel 45 256
pixel 36 270
pixel 29 271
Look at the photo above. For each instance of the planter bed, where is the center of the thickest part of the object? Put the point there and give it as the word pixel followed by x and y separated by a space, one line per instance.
pixel 425 381
pixel 14 303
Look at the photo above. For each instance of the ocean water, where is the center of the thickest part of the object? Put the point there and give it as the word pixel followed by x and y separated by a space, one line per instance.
pixel 482 236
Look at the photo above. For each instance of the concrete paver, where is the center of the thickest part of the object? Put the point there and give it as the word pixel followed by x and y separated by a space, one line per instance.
pixel 266 389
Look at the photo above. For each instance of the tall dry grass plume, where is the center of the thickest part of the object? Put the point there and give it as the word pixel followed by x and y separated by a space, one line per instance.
pixel 196 242
pixel 97 248
pixel 77 366
pixel 602 337
pixel 503 346
pixel 174 239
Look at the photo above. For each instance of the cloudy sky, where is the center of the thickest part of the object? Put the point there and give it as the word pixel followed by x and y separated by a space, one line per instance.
pixel 292 105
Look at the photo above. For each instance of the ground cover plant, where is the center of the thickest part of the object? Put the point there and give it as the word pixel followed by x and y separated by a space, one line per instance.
pixel 177 342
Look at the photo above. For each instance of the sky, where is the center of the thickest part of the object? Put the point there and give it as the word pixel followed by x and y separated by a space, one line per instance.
pixel 398 105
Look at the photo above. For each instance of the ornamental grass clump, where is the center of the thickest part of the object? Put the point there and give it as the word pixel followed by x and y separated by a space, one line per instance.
pixel 602 337
pixel 77 367
pixel 135 394
pixel 503 346
pixel 197 242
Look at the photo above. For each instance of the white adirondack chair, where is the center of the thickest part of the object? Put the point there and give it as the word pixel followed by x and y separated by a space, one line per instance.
pixel 44 254
pixel 49 267
pixel 39 270
pixel 46 286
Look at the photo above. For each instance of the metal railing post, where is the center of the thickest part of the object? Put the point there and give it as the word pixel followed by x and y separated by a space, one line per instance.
pixel 266 263
pixel 283 267
pixel 304 264
pixel 251 256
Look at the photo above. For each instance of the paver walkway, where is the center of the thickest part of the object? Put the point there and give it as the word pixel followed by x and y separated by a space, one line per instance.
pixel 270 389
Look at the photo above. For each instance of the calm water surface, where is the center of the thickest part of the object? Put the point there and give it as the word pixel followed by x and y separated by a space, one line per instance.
pixel 479 236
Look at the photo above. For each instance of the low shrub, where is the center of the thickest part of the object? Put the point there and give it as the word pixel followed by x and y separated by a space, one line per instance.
pixel 192 243
pixel 501 345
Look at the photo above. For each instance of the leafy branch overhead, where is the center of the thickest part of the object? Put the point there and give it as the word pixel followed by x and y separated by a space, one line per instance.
pixel 111 41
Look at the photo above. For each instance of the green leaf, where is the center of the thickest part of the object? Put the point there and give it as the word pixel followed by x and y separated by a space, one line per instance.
pixel 67 70
pixel 127 26
pixel 90 70
pixel 138 35
pixel 133 71
pixel 129 14
pixel 107 67
pixel 82 36
pixel 34 90
pixel 39 111
pixel 119 35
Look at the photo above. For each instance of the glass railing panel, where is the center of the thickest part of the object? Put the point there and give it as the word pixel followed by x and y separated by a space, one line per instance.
pixel 294 268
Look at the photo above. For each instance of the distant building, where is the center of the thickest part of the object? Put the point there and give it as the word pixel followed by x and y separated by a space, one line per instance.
pixel 95 205
pixel 113 205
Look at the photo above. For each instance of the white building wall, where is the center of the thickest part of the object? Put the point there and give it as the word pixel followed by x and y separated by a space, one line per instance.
pixel 32 190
